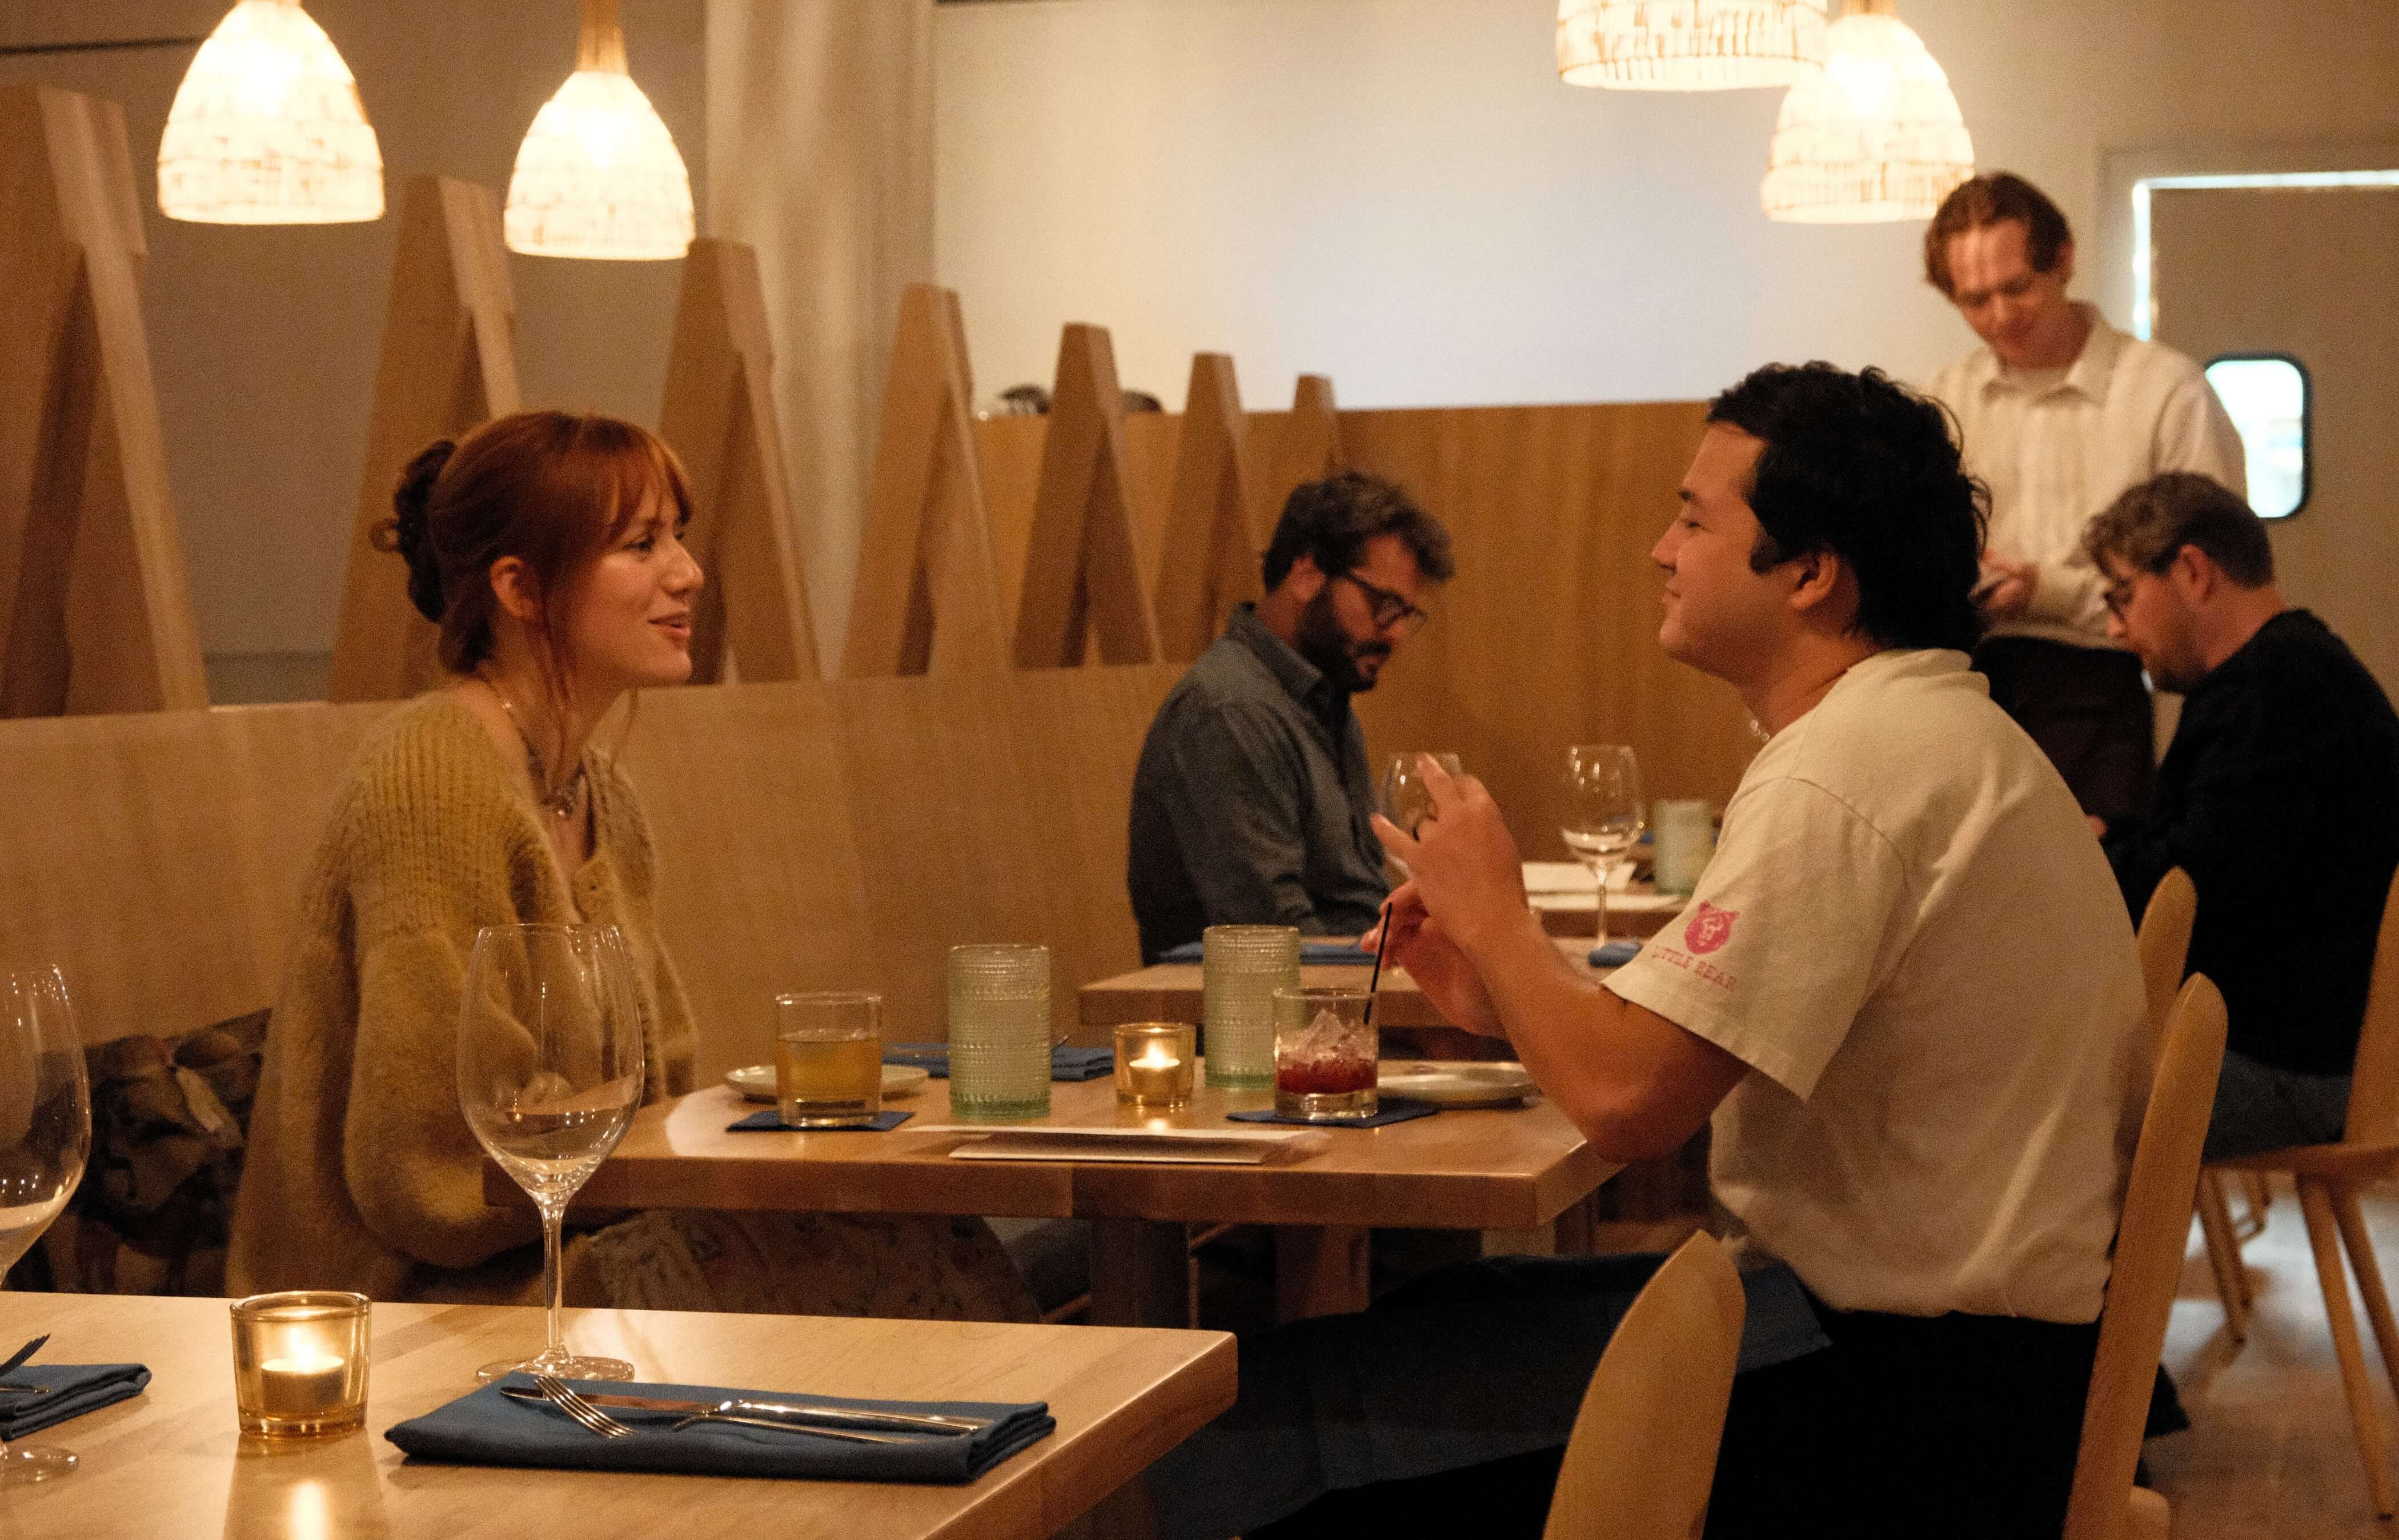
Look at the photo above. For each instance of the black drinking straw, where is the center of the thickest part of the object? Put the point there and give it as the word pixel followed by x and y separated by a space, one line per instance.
pixel 1382 939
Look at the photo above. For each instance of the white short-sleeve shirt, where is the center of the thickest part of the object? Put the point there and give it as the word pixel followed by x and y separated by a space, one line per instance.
pixel 1910 936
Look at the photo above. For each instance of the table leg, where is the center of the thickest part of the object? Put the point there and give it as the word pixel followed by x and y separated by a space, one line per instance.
pixel 1320 1270
pixel 1140 1272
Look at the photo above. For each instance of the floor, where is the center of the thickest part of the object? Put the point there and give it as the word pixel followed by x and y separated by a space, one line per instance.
pixel 2270 1452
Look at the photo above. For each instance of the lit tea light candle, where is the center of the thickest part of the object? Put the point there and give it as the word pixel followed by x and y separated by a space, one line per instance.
pixel 300 1361
pixel 1154 1063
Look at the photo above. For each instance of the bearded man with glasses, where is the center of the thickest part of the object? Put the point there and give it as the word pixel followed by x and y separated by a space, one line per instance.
pixel 1251 802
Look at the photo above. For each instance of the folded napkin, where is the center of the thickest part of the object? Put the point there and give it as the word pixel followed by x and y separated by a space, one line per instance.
pixel 1395 1109
pixel 71 1389
pixel 1066 1063
pixel 1311 952
pixel 772 1121
pixel 487 1428
pixel 1615 953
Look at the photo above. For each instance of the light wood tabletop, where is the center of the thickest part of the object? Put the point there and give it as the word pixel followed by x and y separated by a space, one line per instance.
pixel 1171 992
pixel 1512 1168
pixel 172 1462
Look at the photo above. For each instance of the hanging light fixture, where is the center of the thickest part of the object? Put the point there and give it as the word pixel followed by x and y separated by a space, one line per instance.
pixel 1689 45
pixel 267 127
pixel 598 175
pixel 1877 137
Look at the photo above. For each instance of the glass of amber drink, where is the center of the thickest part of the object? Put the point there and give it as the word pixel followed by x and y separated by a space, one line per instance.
pixel 828 1058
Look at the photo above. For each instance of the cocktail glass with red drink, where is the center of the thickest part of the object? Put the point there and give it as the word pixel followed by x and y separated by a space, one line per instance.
pixel 1324 1054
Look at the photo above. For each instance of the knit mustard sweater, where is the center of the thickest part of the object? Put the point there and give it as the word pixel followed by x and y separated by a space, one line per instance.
pixel 361 1172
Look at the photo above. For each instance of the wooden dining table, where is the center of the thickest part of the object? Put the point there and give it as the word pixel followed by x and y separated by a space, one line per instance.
pixel 1510 1169
pixel 171 1461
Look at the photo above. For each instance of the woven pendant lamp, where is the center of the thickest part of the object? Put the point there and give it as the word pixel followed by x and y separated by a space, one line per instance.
pixel 598 175
pixel 1878 137
pixel 267 127
pixel 1689 45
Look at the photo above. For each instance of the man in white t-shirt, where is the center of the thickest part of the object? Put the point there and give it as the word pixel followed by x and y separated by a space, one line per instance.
pixel 2060 412
pixel 1906 990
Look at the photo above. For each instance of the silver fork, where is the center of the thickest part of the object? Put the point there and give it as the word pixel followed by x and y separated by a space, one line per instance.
pixel 575 1406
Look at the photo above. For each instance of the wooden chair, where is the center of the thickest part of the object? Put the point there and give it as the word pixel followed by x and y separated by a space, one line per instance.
pixel 1642 1453
pixel 2165 952
pixel 2329 1178
pixel 2150 1239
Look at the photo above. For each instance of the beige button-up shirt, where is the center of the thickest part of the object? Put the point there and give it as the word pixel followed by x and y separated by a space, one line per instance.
pixel 2058 451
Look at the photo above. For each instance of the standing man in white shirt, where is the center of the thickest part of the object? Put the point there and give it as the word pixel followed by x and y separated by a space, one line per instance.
pixel 2059 412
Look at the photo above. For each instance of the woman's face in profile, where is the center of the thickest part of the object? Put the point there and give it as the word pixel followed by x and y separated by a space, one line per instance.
pixel 631 620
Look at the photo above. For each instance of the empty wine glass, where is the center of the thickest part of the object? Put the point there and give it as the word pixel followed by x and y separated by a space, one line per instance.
pixel 1405 800
pixel 45 1137
pixel 550 1074
pixel 1604 812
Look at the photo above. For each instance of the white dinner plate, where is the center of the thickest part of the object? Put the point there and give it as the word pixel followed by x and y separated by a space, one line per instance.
pixel 1456 1082
pixel 757 1081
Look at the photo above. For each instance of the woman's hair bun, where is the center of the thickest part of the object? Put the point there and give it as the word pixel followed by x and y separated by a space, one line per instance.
pixel 412 531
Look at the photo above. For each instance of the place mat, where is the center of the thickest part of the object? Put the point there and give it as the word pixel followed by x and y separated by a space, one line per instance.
pixel 68 1390
pixel 1394 1110
pixel 1313 953
pixel 485 1427
pixel 1615 953
pixel 1065 1063
pixel 771 1121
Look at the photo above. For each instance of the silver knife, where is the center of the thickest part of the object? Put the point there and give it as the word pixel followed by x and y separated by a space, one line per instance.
pixel 799 1415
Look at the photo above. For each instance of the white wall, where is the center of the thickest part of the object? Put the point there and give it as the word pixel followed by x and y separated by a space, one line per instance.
pixel 265 340
pixel 1399 193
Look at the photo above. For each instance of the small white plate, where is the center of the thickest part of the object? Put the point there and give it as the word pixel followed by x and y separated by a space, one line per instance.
pixel 1456 1082
pixel 757 1081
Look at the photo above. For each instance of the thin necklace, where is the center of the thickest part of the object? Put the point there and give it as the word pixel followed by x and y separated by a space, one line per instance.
pixel 561 802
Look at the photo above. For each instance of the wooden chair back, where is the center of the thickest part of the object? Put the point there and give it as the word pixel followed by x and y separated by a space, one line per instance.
pixel 2149 1242
pixel 2374 1075
pixel 2165 948
pixel 1642 1453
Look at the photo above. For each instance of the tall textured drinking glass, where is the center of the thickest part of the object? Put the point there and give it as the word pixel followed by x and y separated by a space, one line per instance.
pixel 1603 814
pixel 1241 967
pixel 999 1032
pixel 550 1074
pixel 45 1137
pixel 1405 800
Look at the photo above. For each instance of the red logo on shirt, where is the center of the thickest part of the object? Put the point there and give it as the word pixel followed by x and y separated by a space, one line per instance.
pixel 1710 928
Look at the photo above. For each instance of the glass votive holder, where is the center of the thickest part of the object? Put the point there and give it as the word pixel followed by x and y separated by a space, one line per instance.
pixel 300 1363
pixel 1241 967
pixel 999 1032
pixel 1324 1054
pixel 1154 1064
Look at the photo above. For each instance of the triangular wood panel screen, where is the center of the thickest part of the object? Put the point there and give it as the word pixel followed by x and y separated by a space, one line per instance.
pixel 449 365
pixel 927 598
pixel 719 416
pixel 1081 578
pixel 95 603
pixel 1308 448
pixel 1208 553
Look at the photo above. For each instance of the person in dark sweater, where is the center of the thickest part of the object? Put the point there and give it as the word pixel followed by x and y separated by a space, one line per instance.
pixel 2280 796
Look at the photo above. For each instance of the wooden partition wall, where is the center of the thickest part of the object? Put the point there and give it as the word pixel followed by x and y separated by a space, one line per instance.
pixel 1547 637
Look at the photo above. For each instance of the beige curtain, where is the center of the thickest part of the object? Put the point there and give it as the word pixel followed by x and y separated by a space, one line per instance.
pixel 820 155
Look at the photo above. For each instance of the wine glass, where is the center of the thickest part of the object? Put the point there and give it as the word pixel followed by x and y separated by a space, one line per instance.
pixel 45 1137
pixel 550 1074
pixel 1603 814
pixel 1406 801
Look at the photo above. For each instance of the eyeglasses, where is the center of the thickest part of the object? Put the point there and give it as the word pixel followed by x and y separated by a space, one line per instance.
pixel 1391 610
pixel 2117 596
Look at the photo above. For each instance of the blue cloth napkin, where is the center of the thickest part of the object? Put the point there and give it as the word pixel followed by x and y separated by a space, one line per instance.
pixel 772 1121
pixel 487 1428
pixel 1615 953
pixel 1066 1063
pixel 1310 951
pixel 1395 1109
pixel 71 1389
